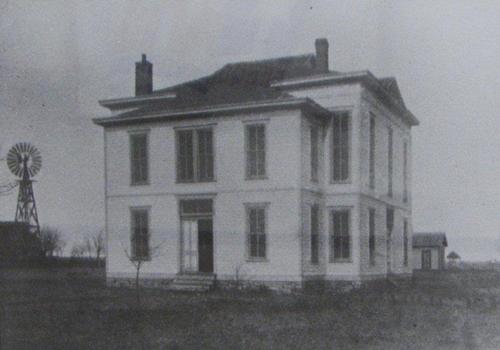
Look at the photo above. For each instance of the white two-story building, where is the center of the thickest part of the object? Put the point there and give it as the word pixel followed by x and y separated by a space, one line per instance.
pixel 276 171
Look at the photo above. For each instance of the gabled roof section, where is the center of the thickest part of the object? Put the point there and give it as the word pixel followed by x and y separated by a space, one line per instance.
pixel 391 85
pixel 429 239
pixel 386 89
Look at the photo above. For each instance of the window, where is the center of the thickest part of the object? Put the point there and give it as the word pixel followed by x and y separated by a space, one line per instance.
pixel 314 234
pixel 314 153
pixel 389 219
pixel 371 237
pixel 340 147
pixel 340 240
pixel 205 155
pixel 140 234
pixel 256 228
pixel 389 162
pixel 256 151
pixel 372 151
pixel 405 242
pixel 198 207
pixel 195 157
pixel 139 158
pixel 405 172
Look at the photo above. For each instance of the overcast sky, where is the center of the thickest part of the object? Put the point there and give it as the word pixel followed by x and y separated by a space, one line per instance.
pixel 57 58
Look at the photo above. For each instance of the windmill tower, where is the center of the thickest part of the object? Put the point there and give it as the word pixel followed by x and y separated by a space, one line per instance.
pixel 24 161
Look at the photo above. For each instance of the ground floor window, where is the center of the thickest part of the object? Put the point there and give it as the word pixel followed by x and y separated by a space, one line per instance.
pixel 140 233
pixel 340 237
pixel 314 234
pixel 405 243
pixel 256 230
pixel 371 235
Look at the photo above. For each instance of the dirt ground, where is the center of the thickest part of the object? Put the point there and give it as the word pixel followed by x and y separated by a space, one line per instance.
pixel 63 308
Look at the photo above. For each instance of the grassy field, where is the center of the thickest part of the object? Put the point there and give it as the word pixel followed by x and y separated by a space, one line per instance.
pixel 72 309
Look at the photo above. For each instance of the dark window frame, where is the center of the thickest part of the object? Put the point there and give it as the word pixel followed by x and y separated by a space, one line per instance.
pixel 195 162
pixel 405 172
pixel 314 234
pixel 372 151
pixel 390 161
pixel 256 157
pixel 139 163
pixel 140 249
pixel 314 137
pixel 340 159
pixel 405 242
pixel 256 232
pixel 372 235
pixel 340 235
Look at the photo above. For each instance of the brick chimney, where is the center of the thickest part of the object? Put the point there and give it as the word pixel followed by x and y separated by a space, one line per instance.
pixel 143 77
pixel 321 55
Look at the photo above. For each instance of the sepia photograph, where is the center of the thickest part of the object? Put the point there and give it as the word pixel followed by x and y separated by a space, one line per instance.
pixel 233 174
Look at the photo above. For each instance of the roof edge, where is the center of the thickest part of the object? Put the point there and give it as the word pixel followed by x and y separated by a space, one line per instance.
pixel 364 76
pixel 305 103
pixel 122 102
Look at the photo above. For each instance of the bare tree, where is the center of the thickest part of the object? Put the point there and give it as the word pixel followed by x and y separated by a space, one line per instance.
pixel 51 241
pixel 98 245
pixel 78 250
pixel 138 260
pixel 87 244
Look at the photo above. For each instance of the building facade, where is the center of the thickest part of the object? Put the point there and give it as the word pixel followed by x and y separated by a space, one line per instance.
pixel 276 171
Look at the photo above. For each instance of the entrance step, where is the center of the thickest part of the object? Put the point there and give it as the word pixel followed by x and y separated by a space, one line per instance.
pixel 196 282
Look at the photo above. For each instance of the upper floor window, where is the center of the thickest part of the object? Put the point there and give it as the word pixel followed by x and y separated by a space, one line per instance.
pixel 256 231
pixel 389 161
pixel 314 234
pixel 340 147
pixel 371 235
pixel 195 155
pixel 340 235
pixel 372 152
pixel 140 233
pixel 314 153
pixel 405 172
pixel 139 158
pixel 255 135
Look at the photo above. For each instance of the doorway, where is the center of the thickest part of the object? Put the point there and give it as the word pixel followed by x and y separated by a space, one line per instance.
pixel 197 250
pixel 426 259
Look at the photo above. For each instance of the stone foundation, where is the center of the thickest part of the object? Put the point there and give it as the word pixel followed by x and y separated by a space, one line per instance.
pixel 275 286
pixel 144 282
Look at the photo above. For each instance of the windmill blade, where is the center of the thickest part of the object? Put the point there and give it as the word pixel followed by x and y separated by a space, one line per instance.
pixel 16 157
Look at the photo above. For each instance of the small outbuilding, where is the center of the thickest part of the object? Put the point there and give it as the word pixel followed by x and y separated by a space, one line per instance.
pixel 429 250
pixel 453 259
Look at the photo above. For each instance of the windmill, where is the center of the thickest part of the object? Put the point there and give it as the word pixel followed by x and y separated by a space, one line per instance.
pixel 24 161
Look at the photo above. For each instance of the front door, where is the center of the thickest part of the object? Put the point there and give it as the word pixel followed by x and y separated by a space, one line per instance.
pixel 189 245
pixel 197 245
pixel 205 246
pixel 426 259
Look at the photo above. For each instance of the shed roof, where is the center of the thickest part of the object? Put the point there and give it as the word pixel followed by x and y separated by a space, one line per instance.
pixel 429 239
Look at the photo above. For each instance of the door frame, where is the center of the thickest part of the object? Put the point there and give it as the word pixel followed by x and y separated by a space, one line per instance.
pixel 196 218
pixel 424 265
